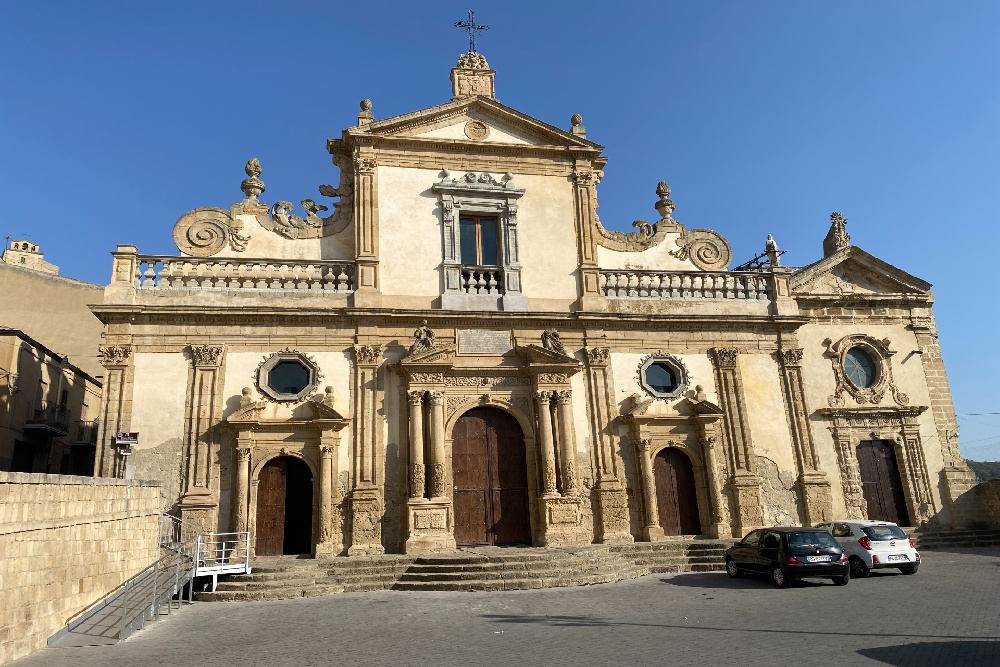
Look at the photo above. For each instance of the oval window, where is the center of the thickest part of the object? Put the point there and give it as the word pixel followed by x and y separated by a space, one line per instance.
pixel 860 368
pixel 660 378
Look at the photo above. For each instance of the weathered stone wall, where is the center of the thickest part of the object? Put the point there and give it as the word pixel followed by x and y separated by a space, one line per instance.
pixel 65 542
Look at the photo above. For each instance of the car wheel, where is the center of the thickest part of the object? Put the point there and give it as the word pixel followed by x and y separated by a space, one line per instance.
pixel 778 577
pixel 909 569
pixel 842 581
pixel 732 569
pixel 859 569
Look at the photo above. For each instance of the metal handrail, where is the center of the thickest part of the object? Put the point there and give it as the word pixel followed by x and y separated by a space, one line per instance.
pixel 221 553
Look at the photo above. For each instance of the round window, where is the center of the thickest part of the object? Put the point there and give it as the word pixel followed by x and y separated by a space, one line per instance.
pixel 660 378
pixel 860 368
pixel 288 377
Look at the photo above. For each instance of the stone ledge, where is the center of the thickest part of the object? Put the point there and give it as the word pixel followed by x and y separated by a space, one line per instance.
pixel 74 480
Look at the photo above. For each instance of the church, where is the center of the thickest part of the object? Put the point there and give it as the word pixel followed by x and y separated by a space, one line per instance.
pixel 445 347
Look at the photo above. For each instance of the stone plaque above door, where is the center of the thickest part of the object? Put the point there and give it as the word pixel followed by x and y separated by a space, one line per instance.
pixel 478 341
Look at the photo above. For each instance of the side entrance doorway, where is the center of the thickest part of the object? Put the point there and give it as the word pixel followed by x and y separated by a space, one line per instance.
pixel 491 479
pixel 881 484
pixel 676 493
pixel 284 508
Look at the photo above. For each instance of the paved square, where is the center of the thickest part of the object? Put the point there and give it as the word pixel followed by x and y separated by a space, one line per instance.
pixel 947 614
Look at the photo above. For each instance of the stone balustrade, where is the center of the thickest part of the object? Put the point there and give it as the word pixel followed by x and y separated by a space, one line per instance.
pixel 482 280
pixel 157 272
pixel 634 284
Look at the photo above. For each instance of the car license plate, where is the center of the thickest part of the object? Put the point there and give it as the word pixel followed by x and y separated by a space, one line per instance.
pixel 817 559
pixel 897 558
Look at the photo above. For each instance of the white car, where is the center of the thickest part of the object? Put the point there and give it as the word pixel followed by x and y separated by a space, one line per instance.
pixel 874 545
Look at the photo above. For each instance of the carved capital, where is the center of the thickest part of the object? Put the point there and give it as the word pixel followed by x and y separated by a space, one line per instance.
pixel 206 355
pixel 366 164
pixel 645 445
pixel 544 397
pixel 415 397
pixel 725 357
pixel 564 396
pixel 598 356
pixel 436 397
pixel 791 357
pixel 368 355
pixel 243 454
pixel 115 355
pixel 327 451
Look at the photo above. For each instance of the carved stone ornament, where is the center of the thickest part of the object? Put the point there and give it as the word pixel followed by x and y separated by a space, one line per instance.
pixel 427 378
pixel 477 129
pixel 791 357
pixel 725 357
pixel 368 355
pixel 204 232
pixel 649 234
pixel 115 355
pixel 880 353
pixel 707 249
pixel 472 60
pixel 288 355
pixel 206 355
pixel 551 342
pixel 598 356
pixel 553 378
pixel 680 372
pixel 252 186
pixel 837 238
pixel 423 339
pixel 480 381
pixel 282 221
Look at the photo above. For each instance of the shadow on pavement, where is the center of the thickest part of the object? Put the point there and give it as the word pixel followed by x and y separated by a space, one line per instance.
pixel 723 580
pixel 937 653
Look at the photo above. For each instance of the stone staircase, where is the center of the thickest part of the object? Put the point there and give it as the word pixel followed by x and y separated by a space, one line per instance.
pixel 944 539
pixel 470 569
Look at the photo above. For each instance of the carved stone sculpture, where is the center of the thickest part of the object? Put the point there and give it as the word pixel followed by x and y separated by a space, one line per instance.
pixel 281 220
pixel 472 60
pixel 551 342
pixel 115 355
pixel 204 232
pixel 837 238
pixel 706 248
pixel 252 186
pixel 423 339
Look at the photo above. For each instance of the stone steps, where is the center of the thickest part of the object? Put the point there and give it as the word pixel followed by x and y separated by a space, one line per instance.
pixel 982 537
pixel 475 569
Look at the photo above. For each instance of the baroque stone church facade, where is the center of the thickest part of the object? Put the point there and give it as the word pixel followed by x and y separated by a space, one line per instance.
pixel 460 353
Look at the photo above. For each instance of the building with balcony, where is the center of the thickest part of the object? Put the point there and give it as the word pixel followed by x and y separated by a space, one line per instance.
pixel 453 350
pixel 48 409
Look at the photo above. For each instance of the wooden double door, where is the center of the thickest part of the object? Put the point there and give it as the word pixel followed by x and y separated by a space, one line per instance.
pixel 284 508
pixel 881 484
pixel 491 479
pixel 676 493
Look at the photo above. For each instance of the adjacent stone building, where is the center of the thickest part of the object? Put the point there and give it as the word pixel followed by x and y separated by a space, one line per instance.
pixel 454 350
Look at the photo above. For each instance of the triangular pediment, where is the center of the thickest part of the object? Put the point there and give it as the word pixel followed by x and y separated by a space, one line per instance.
pixel 476 120
pixel 536 355
pixel 852 271
pixel 444 354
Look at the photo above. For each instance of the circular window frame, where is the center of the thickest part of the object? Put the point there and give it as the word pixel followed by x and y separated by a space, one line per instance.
pixel 674 364
pixel 269 363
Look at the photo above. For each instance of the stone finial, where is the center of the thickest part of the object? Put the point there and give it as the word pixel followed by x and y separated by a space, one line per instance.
pixel 576 121
pixel 699 393
pixel 472 77
pixel 247 397
pixel 365 116
pixel 328 396
pixel 665 205
pixel 837 238
pixel 252 187
pixel 472 60
pixel 772 252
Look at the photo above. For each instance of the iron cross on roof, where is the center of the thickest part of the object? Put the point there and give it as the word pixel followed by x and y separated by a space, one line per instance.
pixel 473 27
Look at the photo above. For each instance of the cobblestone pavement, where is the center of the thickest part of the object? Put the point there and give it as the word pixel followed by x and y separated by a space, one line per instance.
pixel 947 614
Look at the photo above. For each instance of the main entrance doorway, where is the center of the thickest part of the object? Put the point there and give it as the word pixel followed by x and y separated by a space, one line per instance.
pixel 284 508
pixel 491 479
pixel 676 494
pixel 880 482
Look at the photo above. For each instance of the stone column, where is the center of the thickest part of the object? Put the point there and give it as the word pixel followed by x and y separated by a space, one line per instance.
pixel 545 444
pixel 199 503
pixel 326 545
pixel 817 499
pixel 416 423
pixel 651 528
pixel 438 481
pixel 366 228
pixel 241 518
pixel 709 444
pixel 116 407
pixel 585 204
pixel 610 496
pixel 366 496
pixel 567 442
pixel 744 482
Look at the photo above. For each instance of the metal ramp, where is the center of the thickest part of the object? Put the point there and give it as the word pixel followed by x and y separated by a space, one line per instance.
pixel 159 588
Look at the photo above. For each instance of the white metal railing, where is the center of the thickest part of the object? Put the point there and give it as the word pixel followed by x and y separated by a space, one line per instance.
pixel 482 280
pixel 633 284
pixel 175 534
pixel 221 553
pixel 155 272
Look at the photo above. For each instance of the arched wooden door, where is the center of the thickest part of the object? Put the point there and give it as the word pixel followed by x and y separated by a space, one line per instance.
pixel 491 479
pixel 284 508
pixel 676 494
pixel 881 484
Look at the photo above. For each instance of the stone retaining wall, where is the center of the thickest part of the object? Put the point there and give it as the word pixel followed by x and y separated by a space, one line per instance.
pixel 65 542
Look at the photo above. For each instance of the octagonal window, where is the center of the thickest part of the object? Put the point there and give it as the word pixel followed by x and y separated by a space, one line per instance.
pixel 660 378
pixel 663 376
pixel 288 377
pixel 860 368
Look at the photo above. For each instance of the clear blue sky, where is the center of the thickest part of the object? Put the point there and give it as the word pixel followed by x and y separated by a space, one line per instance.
pixel 117 117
